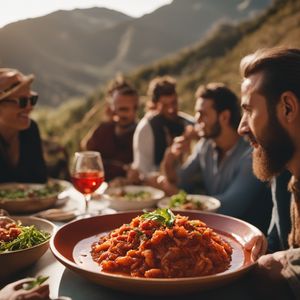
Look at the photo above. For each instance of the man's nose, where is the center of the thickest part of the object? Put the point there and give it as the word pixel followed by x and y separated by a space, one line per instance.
pixel 243 126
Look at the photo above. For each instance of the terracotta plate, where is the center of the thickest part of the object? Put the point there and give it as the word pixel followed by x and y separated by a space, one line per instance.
pixel 71 245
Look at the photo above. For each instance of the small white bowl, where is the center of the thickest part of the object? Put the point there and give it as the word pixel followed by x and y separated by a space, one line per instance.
pixel 121 203
pixel 208 203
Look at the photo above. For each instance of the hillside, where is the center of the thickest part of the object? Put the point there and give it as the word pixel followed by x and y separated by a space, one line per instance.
pixel 214 59
pixel 72 51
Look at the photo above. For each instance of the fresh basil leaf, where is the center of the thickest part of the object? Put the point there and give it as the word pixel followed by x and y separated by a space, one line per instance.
pixel 163 216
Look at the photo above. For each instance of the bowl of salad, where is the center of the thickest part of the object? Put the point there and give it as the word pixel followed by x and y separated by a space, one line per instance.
pixel 133 197
pixel 23 240
pixel 184 201
pixel 24 198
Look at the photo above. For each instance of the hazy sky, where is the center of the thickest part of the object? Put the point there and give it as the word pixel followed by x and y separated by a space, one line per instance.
pixel 14 10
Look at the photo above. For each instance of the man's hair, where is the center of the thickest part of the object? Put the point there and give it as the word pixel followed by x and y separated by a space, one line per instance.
pixel 223 99
pixel 120 86
pixel 281 71
pixel 161 86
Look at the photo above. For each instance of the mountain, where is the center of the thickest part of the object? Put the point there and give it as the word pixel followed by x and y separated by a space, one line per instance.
pixel 72 51
pixel 216 58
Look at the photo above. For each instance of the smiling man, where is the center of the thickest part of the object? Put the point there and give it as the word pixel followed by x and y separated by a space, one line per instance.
pixel 271 121
pixel 222 158
pixel 21 157
pixel 113 138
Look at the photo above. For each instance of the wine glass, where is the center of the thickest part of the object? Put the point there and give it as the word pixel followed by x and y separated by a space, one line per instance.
pixel 87 173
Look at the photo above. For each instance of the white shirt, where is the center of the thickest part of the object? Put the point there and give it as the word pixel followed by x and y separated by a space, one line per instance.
pixel 143 148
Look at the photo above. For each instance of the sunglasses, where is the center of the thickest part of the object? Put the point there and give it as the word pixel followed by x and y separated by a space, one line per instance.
pixel 23 101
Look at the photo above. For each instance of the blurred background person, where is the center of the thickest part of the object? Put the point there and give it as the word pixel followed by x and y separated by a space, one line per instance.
pixel 222 158
pixel 114 138
pixel 157 129
pixel 21 156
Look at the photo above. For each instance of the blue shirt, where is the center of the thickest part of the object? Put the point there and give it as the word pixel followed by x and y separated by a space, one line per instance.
pixel 232 181
pixel 280 225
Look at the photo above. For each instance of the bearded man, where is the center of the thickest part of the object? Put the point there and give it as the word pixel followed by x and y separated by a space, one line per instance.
pixel 271 121
pixel 222 158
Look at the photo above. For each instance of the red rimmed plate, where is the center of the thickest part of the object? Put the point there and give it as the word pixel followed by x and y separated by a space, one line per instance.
pixel 71 245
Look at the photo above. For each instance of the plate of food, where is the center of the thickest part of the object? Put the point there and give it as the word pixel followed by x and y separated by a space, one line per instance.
pixel 133 197
pixel 183 201
pixel 23 240
pixel 19 198
pixel 158 252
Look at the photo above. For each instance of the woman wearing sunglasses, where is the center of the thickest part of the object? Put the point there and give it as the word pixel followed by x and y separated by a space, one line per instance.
pixel 21 157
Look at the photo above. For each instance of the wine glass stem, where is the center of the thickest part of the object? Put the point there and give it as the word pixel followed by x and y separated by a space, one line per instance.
pixel 87 198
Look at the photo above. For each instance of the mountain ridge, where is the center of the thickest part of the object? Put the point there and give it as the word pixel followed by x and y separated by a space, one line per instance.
pixel 70 57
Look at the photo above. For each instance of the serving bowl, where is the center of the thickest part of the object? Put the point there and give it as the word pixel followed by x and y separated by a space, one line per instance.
pixel 200 202
pixel 13 261
pixel 133 197
pixel 21 204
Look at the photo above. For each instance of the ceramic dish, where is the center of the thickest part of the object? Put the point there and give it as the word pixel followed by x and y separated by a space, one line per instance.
pixel 13 261
pixel 71 245
pixel 133 197
pixel 33 203
pixel 205 203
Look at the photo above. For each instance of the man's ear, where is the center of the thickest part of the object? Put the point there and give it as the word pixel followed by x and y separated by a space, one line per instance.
pixel 289 106
pixel 224 117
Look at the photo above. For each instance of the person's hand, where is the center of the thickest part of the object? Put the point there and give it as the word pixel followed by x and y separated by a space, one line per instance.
pixel 273 264
pixel 162 183
pixel 15 291
pixel 191 132
pixel 180 145
pixel 256 245
pixel 267 279
pixel 133 176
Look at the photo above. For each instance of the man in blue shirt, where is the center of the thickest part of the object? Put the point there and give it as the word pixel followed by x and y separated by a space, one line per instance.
pixel 222 157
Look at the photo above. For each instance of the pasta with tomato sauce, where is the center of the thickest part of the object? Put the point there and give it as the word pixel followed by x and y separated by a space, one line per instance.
pixel 155 248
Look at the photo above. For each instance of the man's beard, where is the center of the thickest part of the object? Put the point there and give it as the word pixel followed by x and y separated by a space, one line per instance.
pixel 214 132
pixel 274 152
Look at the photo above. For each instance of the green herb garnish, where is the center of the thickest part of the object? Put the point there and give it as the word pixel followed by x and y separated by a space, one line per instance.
pixel 37 282
pixel 163 216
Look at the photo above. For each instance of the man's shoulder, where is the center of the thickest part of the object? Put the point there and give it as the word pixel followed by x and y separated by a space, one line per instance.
pixel 144 122
pixel 105 126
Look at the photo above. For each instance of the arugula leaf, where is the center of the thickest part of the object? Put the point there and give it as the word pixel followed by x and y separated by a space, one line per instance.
pixel 29 237
pixel 163 216
pixel 178 199
pixel 37 282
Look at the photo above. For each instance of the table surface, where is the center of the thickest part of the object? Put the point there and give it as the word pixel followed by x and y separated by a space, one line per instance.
pixel 64 282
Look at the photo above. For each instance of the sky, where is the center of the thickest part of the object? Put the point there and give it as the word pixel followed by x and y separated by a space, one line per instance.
pixel 14 10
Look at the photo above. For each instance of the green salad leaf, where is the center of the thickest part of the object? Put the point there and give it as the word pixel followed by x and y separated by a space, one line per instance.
pixel 163 216
pixel 178 199
pixel 37 282
pixel 23 191
pixel 30 236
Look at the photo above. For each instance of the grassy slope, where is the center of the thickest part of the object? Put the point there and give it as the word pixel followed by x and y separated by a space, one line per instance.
pixel 214 59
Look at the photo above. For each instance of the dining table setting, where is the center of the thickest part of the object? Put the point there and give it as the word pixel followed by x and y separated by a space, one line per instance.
pixel 79 223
